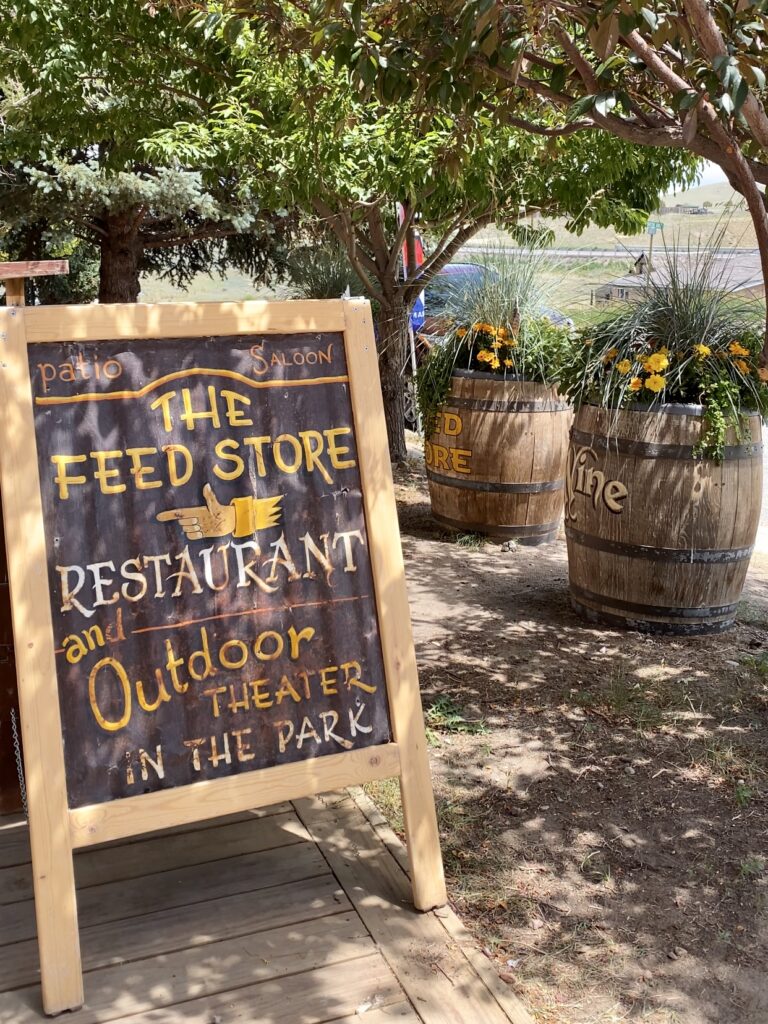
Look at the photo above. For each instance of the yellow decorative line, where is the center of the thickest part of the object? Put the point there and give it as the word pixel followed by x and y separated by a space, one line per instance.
pixel 105 396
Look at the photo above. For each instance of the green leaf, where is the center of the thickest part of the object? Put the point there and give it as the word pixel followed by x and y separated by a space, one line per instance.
pixel 605 102
pixel 581 106
pixel 558 78
pixel 740 94
pixel 649 18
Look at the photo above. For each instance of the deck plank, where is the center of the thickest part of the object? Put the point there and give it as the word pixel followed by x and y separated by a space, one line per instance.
pixel 436 976
pixel 190 926
pixel 192 979
pixel 401 1012
pixel 14 834
pixel 122 861
pixel 171 889
pixel 212 923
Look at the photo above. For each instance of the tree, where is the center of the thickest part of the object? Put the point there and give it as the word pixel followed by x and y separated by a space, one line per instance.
pixel 296 123
pixel 79 93
pixel 686 76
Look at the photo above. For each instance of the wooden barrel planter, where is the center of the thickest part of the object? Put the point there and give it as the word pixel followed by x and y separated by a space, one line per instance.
pixel 496 460
pixel 658 540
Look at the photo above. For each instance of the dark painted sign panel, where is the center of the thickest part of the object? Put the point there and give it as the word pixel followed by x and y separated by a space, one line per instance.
pixel 211 588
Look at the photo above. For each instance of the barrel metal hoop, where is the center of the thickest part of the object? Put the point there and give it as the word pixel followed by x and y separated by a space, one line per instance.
pixel 711 612
pixel 546 531
pixel 644 449
pixel 483 405
pixel 494 488
pixel 651 625
pixel 683 556
pixel 671 409
pixel 485 375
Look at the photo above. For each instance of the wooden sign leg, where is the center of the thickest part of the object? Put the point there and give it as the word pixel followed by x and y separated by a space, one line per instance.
pixel 406 715
pixel 52 860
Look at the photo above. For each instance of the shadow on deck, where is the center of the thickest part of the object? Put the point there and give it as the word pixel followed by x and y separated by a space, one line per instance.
pixel 298 914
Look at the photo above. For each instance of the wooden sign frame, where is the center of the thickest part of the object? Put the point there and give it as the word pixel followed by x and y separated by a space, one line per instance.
pixel 55 830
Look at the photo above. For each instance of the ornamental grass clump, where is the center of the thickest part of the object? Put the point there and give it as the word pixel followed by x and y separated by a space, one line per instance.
pixel 500 322
pixel 689 339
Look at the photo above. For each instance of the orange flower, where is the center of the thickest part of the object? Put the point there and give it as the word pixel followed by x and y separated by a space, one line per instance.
pixel 610 354
pixel 742 365
pixel 635 384
pixel 737 350
pixel 485 356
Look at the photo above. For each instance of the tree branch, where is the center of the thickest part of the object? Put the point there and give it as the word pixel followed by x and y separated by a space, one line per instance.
pixel 345 233
pixel 712 43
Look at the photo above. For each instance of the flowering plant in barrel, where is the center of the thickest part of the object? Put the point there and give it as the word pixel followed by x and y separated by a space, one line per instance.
pixel 488 399
pixel 664 469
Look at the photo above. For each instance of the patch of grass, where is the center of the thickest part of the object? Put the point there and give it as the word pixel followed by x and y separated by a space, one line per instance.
pixel 386 795
pixel 758 663
pixel 728 760
pixel 743 794
pixel 471 541
pixel 752 866
pixel 446 716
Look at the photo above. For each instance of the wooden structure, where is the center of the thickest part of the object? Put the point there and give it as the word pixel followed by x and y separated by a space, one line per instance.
pixel 57 827
pixel 12 276
pixel 496 461
pixel 659 540
pixel 292 913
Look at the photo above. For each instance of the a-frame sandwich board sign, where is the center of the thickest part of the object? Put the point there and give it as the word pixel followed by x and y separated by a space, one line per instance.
pixel 207 585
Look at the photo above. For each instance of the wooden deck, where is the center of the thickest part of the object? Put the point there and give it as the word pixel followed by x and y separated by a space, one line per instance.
pixel 298 914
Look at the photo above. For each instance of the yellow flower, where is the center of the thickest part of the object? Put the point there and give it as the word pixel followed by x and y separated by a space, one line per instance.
pixel 496 344
pixel 610 354
pixel 655 382
pixel 485 356
pixel 624 366
pixel 495 364
pixel 742 365
pixel 509 362
pixel 502 333
pixel 657 362
pixel 737 350
pixel 762 373
pixel 462 332
pixel 512 343
pixel 635 384
pixel 663 351
pixel 702 351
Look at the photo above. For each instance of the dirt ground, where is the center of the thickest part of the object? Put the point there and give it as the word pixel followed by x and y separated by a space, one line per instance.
pixel 602 795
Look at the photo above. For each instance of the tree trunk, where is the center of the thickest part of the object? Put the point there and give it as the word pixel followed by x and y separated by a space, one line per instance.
pixel 121 252
pixel 392 344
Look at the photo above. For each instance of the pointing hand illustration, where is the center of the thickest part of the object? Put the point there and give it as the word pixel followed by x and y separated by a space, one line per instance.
pixel 241 518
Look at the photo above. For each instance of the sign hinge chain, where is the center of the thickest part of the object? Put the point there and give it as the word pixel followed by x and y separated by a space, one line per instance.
pixel 19 762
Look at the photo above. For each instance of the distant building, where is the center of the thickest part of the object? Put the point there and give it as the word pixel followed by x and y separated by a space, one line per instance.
pixel 738 273
pixel 687 208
